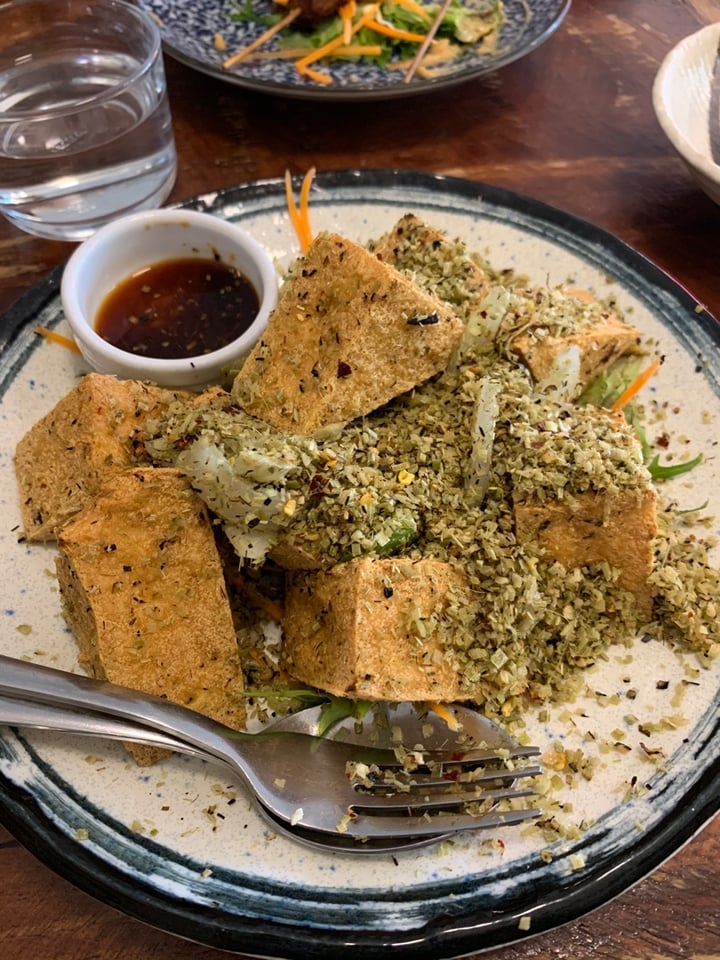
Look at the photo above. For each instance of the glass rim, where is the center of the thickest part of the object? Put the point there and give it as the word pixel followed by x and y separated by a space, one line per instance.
pixel 154 54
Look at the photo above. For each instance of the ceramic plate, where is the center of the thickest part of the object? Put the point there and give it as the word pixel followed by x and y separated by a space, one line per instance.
pixel 189 30
pixel 178 846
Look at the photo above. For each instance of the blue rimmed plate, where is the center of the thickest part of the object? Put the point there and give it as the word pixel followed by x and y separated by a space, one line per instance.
pixel 178 846
pixel 189 30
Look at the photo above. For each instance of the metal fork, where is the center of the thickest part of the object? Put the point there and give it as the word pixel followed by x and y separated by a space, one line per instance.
pixel 25 713
pixel 297 778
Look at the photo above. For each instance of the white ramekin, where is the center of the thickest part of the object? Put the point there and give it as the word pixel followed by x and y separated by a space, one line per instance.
pixel 130 243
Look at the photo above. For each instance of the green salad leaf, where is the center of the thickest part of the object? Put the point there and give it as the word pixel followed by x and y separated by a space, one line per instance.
pixel 462 24
pixel 605 390
pixel 659 472
pixel 612 382
pixel 334 709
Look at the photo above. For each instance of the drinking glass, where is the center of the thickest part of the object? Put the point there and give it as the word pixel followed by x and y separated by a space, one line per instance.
pixel 85 127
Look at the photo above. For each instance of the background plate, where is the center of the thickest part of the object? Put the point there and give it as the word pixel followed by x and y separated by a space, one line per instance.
pixel 178 846
pixel 188 30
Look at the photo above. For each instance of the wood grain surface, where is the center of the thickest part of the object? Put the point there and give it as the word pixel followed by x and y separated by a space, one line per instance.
pixel 571 124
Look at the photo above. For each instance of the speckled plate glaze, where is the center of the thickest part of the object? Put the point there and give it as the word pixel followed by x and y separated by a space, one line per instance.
pixel 178 846
pixel 189 29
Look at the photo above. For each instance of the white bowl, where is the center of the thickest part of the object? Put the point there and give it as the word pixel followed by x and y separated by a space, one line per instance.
pixel 128 244
pixel 682 98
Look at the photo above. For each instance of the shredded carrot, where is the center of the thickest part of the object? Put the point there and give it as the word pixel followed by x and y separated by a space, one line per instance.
pixel 340 45
pixel 300 218
pixel 347 13
pixel 58 338
pixel 379 27
pixel 317 75
pixel 292 208
pixel 289 53
pixel 306 237
pixel 268 606
pixel 359 50
pixel 415 8
pixel 255 655
pixel 637 384
pixel 347 29
pixel 445 714
pixel 262 39
pixel 427 40
pixel 318 53
pixel 302 65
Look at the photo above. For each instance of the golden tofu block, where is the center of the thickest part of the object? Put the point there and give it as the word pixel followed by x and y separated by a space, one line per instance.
pixel 62 461
pixel 143 592
pixel 592 528
pixel 349 333
pixel 435 263
pixel 373 629
pixel 599 345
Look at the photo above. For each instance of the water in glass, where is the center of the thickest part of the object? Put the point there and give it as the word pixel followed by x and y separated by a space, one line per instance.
pixel 85 136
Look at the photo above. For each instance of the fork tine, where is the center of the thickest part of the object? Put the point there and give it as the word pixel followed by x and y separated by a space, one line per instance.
pixel 401 804
pixel 458 756
pixel 445 779
pixel 473 755
pixel 299 778
pixel 437 825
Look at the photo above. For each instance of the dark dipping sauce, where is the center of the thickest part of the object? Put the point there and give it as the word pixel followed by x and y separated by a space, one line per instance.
pixel 178 308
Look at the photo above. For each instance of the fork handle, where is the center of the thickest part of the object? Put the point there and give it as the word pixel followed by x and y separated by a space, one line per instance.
pixel 46 716
pixel 21 680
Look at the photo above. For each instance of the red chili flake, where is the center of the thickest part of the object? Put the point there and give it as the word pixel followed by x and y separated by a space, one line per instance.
pixel 317 485
pixel 344 369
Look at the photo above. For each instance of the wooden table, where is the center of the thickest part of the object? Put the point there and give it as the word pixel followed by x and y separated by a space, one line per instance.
pixel 572 124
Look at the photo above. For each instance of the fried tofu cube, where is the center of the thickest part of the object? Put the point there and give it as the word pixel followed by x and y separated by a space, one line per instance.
pixel 62 461
pixel 435 263
pixel 143 591
pixel 349 333
pixel 592 528
pixel 598 343
pixel 373 629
